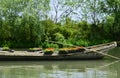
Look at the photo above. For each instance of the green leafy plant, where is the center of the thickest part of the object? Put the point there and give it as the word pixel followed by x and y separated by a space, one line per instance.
pixel 63 51
pixel 34 49
pixel 49 51
pixel 6 48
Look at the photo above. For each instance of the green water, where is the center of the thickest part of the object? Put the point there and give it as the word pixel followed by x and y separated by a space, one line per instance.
pixel 61 69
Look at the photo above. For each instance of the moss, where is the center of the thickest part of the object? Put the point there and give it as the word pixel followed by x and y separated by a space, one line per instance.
pixel 6 48
pixel 34 49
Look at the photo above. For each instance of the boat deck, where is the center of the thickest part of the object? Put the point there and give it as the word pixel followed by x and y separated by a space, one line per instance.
pixel 24 53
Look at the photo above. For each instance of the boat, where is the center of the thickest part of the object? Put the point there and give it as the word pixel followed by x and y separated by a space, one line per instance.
pixel 91 52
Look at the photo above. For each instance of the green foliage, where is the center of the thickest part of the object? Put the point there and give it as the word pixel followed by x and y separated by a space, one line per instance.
pixel 27 23
pixel 96 41
pixel 6 48
pixel 82 42
pixel 35 49
pixel 113 9
pixel 59 37
pixel 49 45
pixel 20 22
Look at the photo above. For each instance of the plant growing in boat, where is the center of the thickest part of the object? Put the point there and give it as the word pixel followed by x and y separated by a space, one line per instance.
pixel 72 50
pixel 80 49
pixel 49 51
pixel 6 48
pixel 34 49
pixel 63 51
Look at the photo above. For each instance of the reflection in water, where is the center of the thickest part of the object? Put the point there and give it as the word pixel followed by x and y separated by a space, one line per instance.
pixel 59 69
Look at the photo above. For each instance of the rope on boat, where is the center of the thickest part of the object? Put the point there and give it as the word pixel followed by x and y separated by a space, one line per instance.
pixel 91 50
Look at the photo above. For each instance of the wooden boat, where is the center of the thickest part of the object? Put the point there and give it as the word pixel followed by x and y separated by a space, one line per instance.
pixel 91 52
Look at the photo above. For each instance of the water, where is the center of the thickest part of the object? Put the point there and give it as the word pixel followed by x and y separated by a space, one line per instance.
pixel 61 69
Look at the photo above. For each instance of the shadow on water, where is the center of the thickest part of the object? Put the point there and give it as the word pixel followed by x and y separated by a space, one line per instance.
pixel 59 69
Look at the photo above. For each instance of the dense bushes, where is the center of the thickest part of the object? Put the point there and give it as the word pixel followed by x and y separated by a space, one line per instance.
pixel 30 25
pixel 80 34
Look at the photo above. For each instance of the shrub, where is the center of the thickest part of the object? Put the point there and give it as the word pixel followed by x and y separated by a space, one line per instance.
pixel 34 49
pixel 63 51
pixel 6 48
pixel 49 51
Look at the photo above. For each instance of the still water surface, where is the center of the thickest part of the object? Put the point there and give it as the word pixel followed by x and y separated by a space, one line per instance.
pixel 60 69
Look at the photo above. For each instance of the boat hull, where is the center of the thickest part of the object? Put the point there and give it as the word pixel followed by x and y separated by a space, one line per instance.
pixel 61 57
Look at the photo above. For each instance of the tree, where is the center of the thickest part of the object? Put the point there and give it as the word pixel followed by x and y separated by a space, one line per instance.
pixel 112 8
pixel 63 9
pixel 20 20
